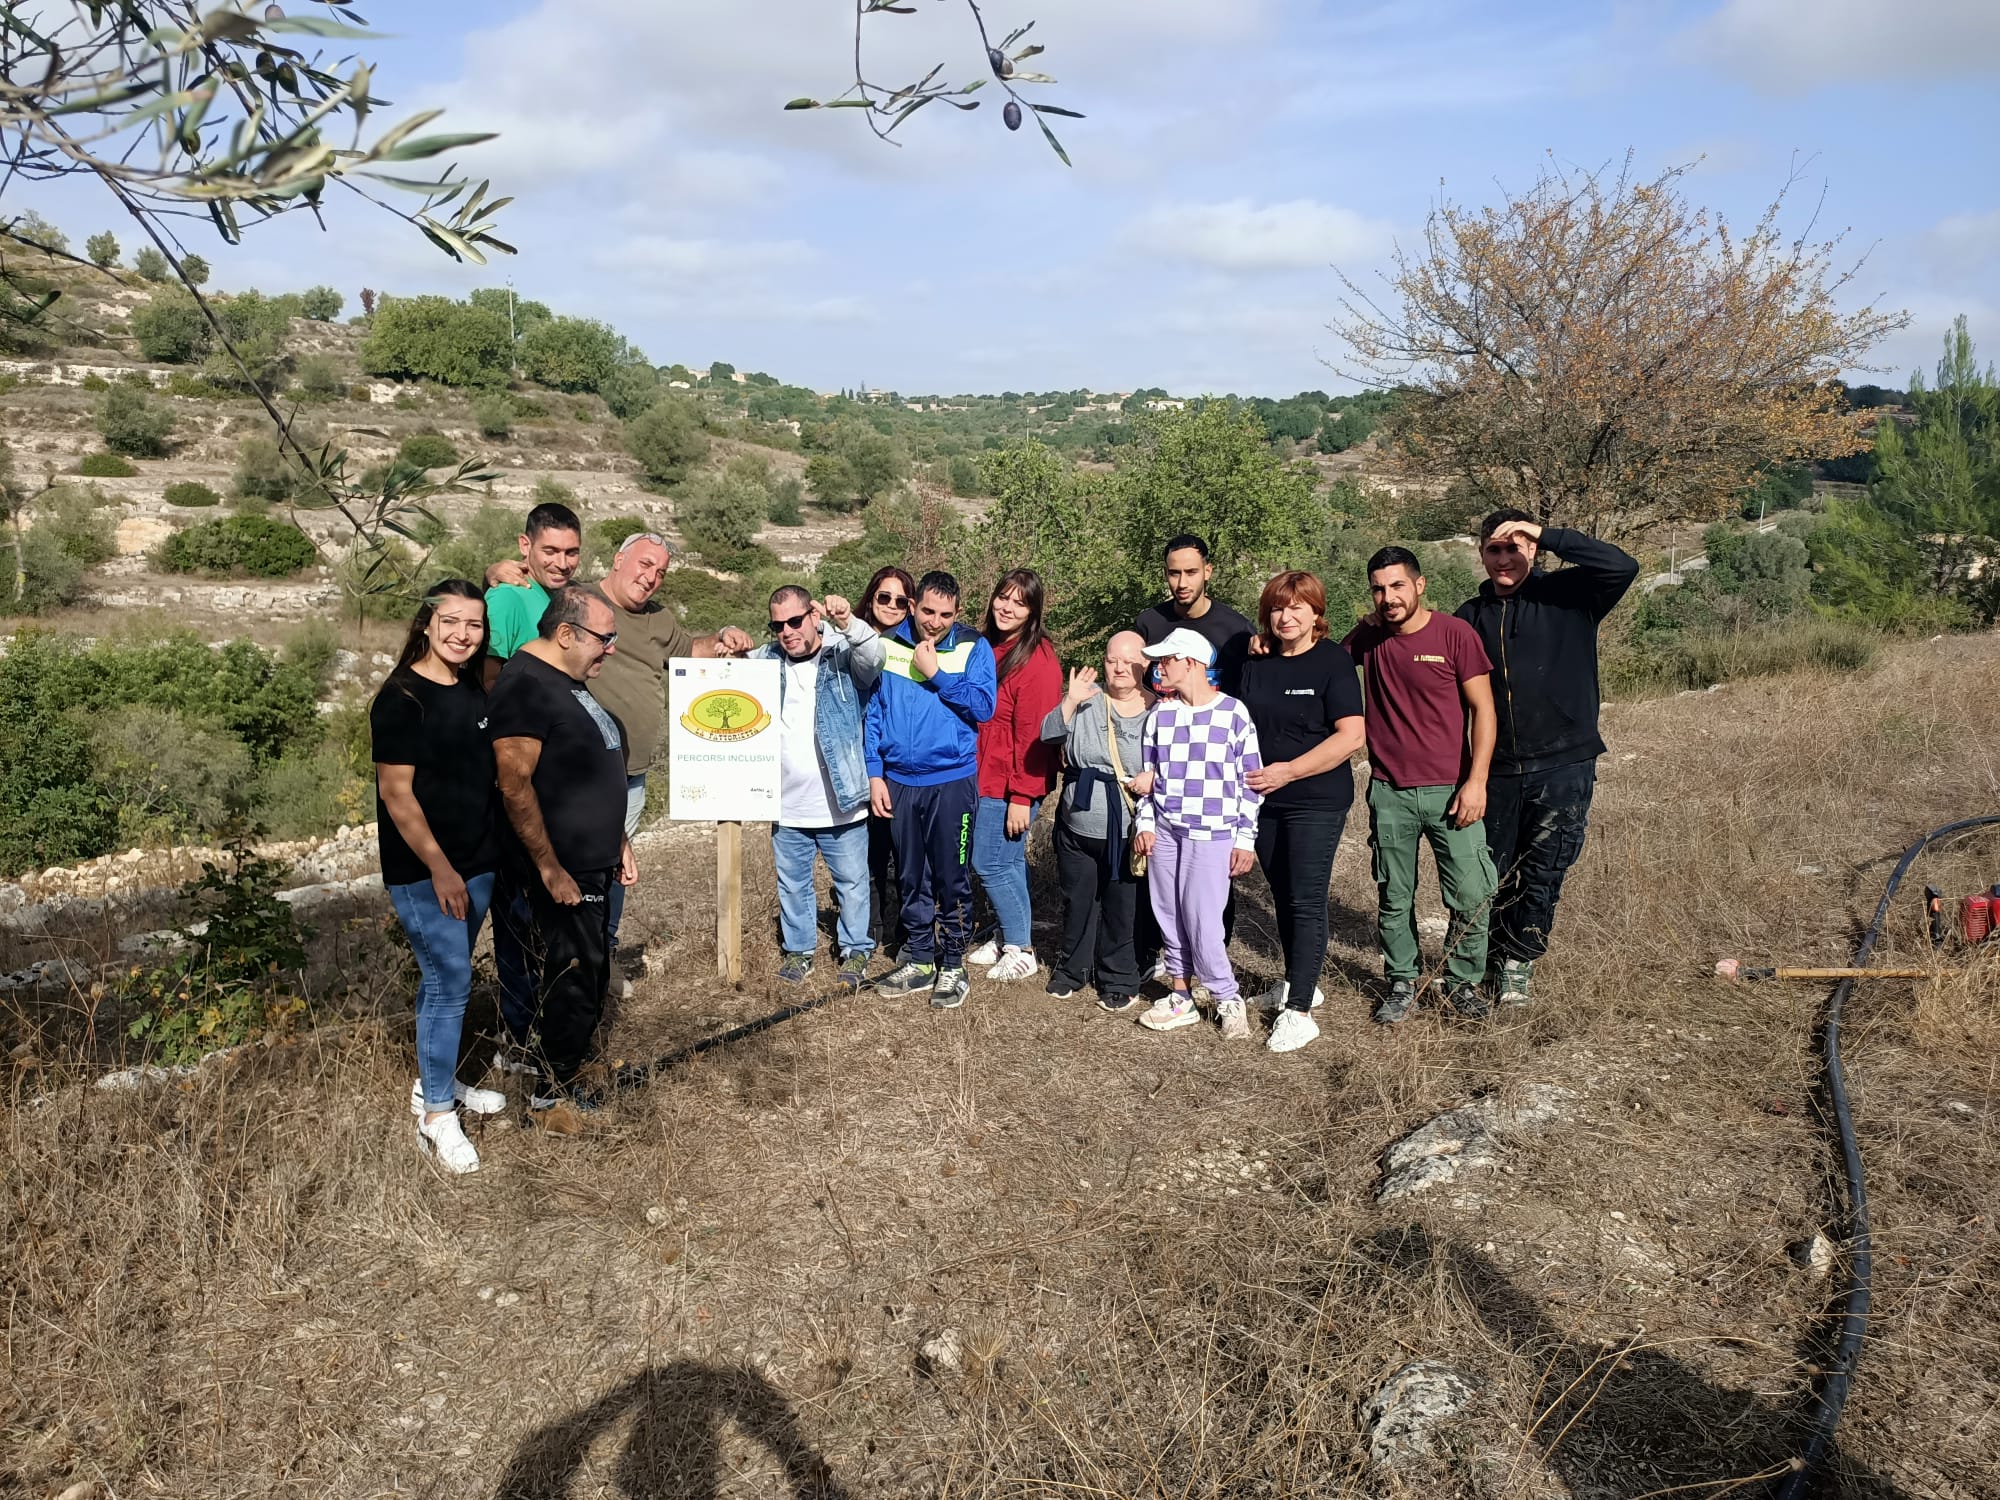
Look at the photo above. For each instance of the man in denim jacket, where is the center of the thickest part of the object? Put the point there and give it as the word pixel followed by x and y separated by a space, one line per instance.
pixel 830 658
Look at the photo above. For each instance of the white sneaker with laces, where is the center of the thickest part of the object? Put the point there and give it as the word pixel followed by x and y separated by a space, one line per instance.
pixel 1273 1000
pixel 1235 1024
pixel 984 956
pixel 1293 1030
pixel 1170 1012
pixel 476 1101
pixel 443 1140
pixel 1015 963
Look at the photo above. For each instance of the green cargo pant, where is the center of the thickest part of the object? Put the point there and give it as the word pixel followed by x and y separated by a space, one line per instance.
pixel 1399 821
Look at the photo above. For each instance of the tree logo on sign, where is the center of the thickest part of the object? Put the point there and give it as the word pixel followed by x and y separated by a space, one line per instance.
pixel 725 716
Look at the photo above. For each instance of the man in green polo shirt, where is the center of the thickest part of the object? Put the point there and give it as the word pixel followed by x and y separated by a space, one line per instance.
pixel 551 548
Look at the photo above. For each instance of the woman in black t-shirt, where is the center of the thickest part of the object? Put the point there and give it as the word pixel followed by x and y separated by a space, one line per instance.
pixel 435 825
pixel 1305 699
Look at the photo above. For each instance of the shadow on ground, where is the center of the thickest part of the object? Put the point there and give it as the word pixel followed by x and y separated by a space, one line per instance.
pixel 672 1449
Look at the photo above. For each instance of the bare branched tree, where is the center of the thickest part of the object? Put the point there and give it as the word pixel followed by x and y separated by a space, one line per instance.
pixel 1603 354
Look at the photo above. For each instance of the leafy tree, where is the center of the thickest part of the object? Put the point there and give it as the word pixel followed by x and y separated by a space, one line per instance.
pixel 256 328
pixel 30 228
pixel 151 265
pixel 721 374
pixel 524 311
pixel 321 303
pixel 855 464
pixel 194 270
pixel 570 354
pixel 171 330
pixel 102 249
pixel 131 424
pixel 631 387
pixel 720 514
pixel 784 508
pixel 667 439
pixel 438 339
pixel 1602 354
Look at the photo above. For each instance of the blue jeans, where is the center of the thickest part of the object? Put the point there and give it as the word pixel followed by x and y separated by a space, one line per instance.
pixel 635 804
pixel 846 853
pixel 1001 863
pixel 443 946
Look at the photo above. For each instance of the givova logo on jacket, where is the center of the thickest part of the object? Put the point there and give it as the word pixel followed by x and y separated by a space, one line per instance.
pixel 900 657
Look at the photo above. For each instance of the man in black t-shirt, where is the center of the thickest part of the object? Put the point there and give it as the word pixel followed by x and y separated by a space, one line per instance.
pixel 561 760
pixel 1187 606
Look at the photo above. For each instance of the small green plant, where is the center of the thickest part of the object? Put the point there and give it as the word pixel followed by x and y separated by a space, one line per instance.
pixel 234 981
pixel 190 493
pixel 427 450
pixel 494 414
pixel 94 384
pixel 319 379
pixel 105 466
pixel 256 545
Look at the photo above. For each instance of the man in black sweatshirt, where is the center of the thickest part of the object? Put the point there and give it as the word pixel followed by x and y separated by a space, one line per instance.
pixel 1540 629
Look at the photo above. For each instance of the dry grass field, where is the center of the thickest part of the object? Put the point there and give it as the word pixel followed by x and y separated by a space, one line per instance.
pixel 1141 1265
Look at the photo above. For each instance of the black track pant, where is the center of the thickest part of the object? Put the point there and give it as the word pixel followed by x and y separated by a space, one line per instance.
pixel 569 953
pixel 1295 847
pixel 1535 823
pixel 1100 916
pixel 932 829
pixel 885 890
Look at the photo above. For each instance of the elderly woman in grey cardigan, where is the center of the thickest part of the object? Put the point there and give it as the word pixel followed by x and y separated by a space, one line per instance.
pixel 1099 730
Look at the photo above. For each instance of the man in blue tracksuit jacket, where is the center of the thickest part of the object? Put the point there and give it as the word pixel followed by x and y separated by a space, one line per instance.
pixel 921 744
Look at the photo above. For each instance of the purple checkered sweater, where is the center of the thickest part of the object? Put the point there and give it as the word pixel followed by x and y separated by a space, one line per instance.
pixel 1199 757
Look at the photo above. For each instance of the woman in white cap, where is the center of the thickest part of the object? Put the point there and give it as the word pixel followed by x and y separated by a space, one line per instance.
pixel 1197 825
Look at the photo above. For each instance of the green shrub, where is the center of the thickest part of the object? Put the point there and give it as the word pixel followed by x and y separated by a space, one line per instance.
pixel 309 790
pixel 667 439
pixel 784 507
pixel 191 493
pixel 528 409
pixel 76 518
pixel 171 329
pixel 319 379
pixel 195 269
pixel 427 450
pixel 173 779
pixel 1701 658
pixel 380 584
pixel 50 578
pixel 631 387
pixel 721 514
pixel 611 532
pixel 437 339
pixel 198 388
pixel 488 534
pixel 494 415
pixel 105 466
pixel 254 545
pixel 320 303
pixel 94 384
pixel 132 424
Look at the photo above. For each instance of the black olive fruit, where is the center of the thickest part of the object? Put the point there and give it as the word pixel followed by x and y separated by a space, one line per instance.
pixel 1000 62
pixel 1012 115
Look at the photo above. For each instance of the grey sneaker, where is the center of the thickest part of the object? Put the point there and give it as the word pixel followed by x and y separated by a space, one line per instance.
pixel 1515 984
pixel 1469 1002
pixel 1395 1006
pixel 906 979
pixel 950 990
pixel 796 968
pixel 853 971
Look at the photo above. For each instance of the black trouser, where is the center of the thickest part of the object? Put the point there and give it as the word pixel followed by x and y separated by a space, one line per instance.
pixel 1100 916
pixel 1535 824
pixel 1295 847
pixel 885 892
pixel 569 949
pixel 932 827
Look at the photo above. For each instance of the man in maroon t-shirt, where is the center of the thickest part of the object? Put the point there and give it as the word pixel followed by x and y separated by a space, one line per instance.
pixel 1426 675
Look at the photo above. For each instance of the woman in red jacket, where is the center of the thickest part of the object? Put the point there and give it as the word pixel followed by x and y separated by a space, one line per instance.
pixel 1016 768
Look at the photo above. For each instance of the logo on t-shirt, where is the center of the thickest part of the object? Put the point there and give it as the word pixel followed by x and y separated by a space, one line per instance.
pixel 606 725
pixel 725 715
pixel 1438 659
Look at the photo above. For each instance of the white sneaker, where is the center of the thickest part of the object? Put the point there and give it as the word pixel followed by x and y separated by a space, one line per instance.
pixel 985 955
pixel 443 1140
pixel 1159 972
pixel 1170 1012
pixel 476 1101
pixel 1015 963
pixel 1293 1030
pixel 1235 1024
pixel 1273 1000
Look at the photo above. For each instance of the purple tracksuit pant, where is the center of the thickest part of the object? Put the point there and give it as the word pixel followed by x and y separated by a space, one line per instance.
pixel 1189 878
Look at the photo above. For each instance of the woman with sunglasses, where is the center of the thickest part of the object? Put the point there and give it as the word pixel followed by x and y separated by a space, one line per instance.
pixel 1017 770
pixel 885 604
pixel 439 842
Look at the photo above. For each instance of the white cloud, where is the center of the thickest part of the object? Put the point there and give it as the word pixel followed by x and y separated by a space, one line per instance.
pixel 1964 244
pixel 1793 46
pixel 1240 236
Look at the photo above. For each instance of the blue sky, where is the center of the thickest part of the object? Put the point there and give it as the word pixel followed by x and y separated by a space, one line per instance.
pixel 1235 151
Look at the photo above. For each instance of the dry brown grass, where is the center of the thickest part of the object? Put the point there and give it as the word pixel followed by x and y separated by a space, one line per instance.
pixel 250 1285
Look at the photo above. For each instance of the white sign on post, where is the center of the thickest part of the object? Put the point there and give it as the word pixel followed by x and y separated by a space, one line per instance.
pixel 722 740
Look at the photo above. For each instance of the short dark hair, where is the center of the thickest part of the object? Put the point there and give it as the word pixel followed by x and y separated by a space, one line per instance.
pixel 552 517
pixel 937 581
pixel 568 605
pixel 1395 557
pixel 1498 519
pixel 791 591
pixel 1181 543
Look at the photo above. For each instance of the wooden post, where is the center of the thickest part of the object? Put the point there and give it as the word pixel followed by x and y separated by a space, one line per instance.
pixel 729 901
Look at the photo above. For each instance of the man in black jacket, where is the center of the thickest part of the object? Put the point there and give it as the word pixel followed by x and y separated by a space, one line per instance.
pixel 1540 629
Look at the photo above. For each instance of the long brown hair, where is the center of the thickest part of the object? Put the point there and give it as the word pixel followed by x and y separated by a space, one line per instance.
pixel 1283 590
pixel 417 644
pixel 882 576
pixel 1028 584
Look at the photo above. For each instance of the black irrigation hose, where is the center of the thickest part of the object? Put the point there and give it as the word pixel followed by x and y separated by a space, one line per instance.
pixel 1860 1258
pixel 638 1075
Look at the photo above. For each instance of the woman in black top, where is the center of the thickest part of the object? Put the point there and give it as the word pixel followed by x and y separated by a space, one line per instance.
pixel 1305 699
pixel 435 824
